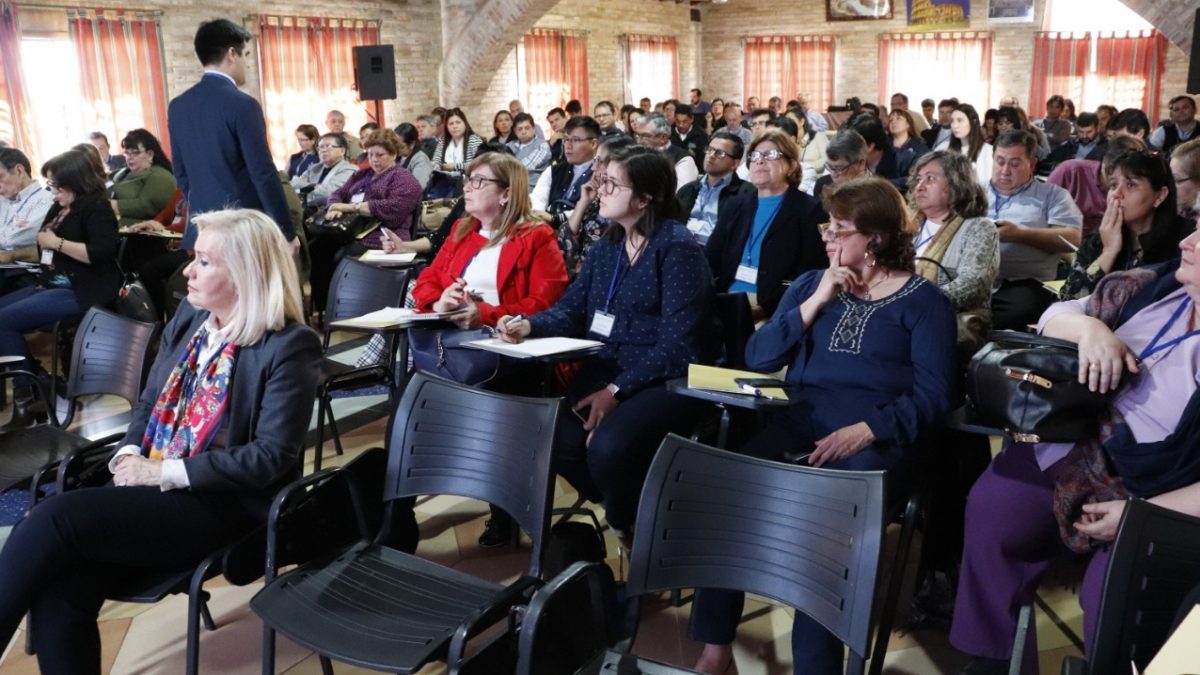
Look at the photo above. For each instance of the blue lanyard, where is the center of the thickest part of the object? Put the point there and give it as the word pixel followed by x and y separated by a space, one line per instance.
pixel 761 234
pixel 622 268
pixel 20 206
pixel 1001 201
pixel 921 233
pixel 1154 348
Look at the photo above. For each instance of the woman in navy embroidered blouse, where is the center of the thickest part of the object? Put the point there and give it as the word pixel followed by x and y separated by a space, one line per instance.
pixel 871 346
pixel 645 290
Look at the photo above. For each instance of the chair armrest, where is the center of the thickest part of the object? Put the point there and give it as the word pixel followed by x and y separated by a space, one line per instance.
pixel 78 461
pixel 517 592
pixel 1074 665
pixel 284 501
pixel 331 383
pixel 37 386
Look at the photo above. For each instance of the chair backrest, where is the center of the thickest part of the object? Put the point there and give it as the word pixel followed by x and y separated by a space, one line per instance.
pixel 358 288
pixel 737 325
pixel 448 438
pixel 566 624
pixel 109 356
pixel 1155 562
pixel 808 538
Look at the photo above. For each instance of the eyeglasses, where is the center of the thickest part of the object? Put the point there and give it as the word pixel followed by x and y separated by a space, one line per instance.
pixel 768 156
pixel 575 140
pixel 837 170
pixel 133 152
pixel 831 233
pixel 608 186
pixel 326 146
pixel 476 182
pixel 719 154
pixel 51 186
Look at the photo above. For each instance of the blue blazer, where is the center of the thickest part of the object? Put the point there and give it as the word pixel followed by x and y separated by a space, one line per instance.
pixel 219 151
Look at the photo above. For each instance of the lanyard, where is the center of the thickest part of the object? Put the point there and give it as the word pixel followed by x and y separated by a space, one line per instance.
pixel 1154 347
pixel 20 206
pixel 1002 201
pixel 761 234
pixel 622 268
pixel 921 233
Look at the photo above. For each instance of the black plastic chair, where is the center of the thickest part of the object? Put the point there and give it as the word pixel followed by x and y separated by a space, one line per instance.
pixel 375 606
pixel 109 357
pixel 356 289
pixel 1155 562
pixel 808 538
pixel 568 622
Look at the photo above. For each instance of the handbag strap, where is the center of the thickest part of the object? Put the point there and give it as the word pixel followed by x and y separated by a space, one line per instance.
pixel 1017 337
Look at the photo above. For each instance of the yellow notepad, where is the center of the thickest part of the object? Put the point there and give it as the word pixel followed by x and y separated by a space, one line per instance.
pixel 710 378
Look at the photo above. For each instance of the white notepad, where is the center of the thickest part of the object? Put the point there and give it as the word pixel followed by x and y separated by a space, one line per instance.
pixel 381 257
pixel 537 347
pixel 389 317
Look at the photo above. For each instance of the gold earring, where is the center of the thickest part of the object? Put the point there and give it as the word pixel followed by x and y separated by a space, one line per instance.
pixel 869 257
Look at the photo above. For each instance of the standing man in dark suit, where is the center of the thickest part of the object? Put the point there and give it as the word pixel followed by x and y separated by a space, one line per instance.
pixel 219 136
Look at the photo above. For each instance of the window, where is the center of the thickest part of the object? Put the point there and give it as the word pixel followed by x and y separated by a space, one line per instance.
pixel 787 66
pixel 937 66
pixel 651 68
pixel 555 67
pixel 59 122
pixel 307 67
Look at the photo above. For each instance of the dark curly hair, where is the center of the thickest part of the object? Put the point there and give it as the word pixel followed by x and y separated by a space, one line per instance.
pixel 877 210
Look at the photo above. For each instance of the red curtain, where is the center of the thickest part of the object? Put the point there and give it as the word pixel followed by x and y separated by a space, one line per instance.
pixel 651 67
pixel 120 71
pixel 1060 62
pixel 812 65
pixel 937 65
pixel 14 105
pixel 1128 70
pixel 307 69
pixel 768 69
pixel 556 69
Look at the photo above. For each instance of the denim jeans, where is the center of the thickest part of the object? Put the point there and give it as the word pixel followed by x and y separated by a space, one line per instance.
pixel 27 309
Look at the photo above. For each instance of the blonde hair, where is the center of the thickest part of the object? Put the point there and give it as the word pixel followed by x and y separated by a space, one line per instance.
pixel 261 269
pixel 513 215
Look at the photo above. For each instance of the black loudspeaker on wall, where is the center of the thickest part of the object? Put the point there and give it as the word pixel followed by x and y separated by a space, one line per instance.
pixel 1194 68
pixel 375 72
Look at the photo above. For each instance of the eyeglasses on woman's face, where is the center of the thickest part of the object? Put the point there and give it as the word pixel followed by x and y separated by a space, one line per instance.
pixel 768 156
pixel 609 186
pixel 831 232
pixel 477 182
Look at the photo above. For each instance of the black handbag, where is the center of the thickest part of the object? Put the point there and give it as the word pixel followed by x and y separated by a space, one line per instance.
pixel 134 302
pixel 348 226
pixel 440 351
pixel 1029 386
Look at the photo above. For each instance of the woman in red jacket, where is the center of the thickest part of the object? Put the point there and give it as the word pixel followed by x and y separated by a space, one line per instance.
pixel 497 261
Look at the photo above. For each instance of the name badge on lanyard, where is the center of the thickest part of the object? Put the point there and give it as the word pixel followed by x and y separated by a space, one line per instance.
pixel 358 198
pixel 602 323
pixel 747 274
pixel 47 256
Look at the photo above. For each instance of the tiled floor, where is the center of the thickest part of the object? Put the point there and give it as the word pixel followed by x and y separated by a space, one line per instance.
pixel 150 638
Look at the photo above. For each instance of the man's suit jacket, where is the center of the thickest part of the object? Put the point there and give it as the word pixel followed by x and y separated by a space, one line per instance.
pixel 219 150
pixel 791 246
pixel 273 387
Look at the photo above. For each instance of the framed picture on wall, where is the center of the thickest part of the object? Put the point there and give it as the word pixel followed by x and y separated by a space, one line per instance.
pixel 857 10
pixel 1010 11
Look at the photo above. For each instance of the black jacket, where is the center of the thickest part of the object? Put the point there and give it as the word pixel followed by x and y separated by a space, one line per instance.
pixel 92 222
pixel 791 246
pixel 1067 151
pixel 688 194
pixel 694 143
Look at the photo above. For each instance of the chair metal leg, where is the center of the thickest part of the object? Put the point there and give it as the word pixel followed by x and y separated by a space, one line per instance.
pixel 197 609
pixel 206 615
pixel 268 650
pixel 29 635
pixel 333 430
pixel 887 615
pixel 1024 622
pixel 319 448
pixel 326 666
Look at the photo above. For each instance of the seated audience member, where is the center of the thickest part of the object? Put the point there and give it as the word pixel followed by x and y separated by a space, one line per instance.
pixel 816 120
pixel 558 190
pixel 900 102
pixel 23 206
pixel 306 138
pixel 1135 340
pixel 533 152
pixel 906 141
pixel 928 111
pixel 966 137
pixel 585 226
pixel 733 122
pixel 335 123
pixel 705 198
pixel 881 158
pixel 655 133
pixel 1105 114
pixel 1055 125
pixel 668 110
pixel 502 128
pixel 956 244
pixel 940 133
pixel 1130 122
pixel 411 157
pixel 808 177
pixel 361 160
pixel 384 191
pixel 95 160
pixel 1069 110
pixel 1181 127
pixel 1088 142
pixel 646 292
pixel 989 125
pixel 1087 181
pixel 1009 119
pixel 696 100
pixel 180 490
pixel 605 114
pixel 78 243
pixel 1185 171
pixel 427 134
pixel 574 108
pixel 645 104
pixel 330 173
pixel 1140 226
pixel 714 119
pixel 1036 222
pixel 845 420
pixel 111 162
pixel 847 159
pixel 686 136
pixel 455 150
pixel 627 112
pixel 146 185
pixel 764 240
pixel 557 117
pixel 759 120
pixel 812 143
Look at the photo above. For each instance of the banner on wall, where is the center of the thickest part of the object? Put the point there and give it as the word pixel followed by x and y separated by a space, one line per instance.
pixel 924 14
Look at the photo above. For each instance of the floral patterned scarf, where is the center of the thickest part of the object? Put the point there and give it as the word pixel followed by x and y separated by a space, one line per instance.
pixel 191 404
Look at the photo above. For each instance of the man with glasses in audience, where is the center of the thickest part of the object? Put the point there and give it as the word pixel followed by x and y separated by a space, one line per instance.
pixel 23 207
pixel 329 173
pixel 704 198
pixel 605 115
pixel 846 158
pixel 760 120
pixel 655 133
pixel 557 190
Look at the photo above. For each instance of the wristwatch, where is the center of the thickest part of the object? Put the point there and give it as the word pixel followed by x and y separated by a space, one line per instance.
pixel 615 391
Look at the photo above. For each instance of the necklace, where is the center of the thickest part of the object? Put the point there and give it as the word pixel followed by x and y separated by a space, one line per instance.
pixel 886 275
